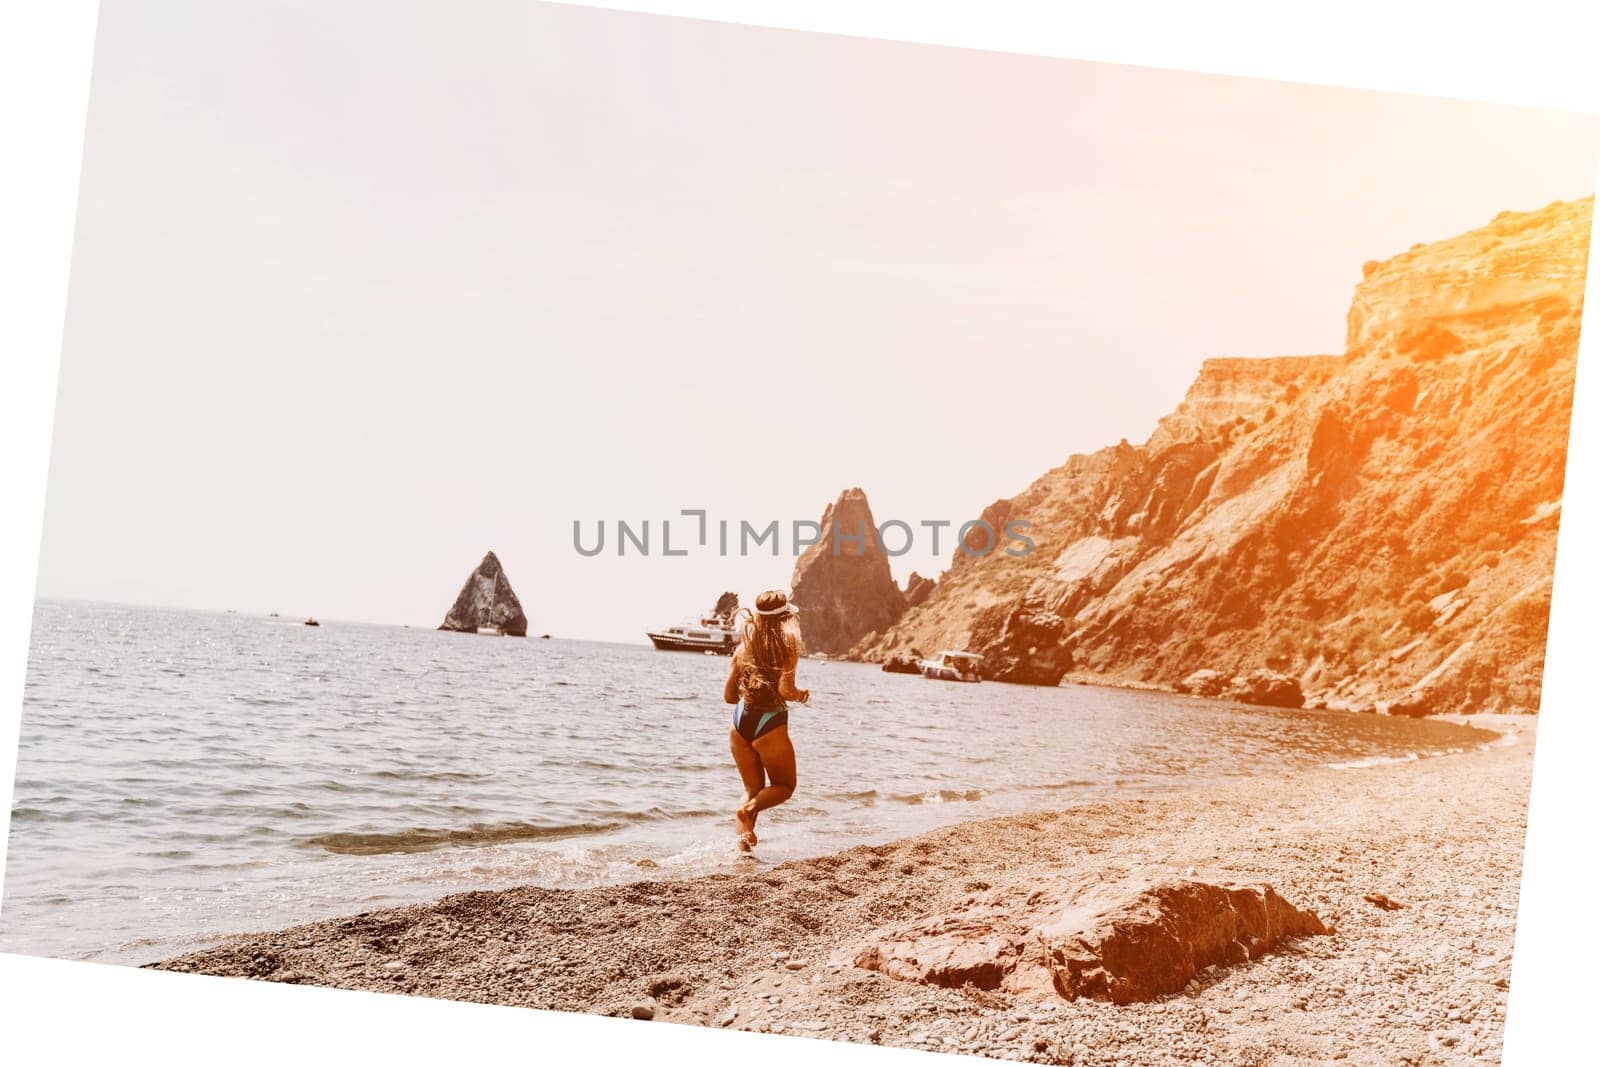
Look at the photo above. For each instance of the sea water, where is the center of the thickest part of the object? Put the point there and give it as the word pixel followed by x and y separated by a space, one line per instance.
pixel 185 775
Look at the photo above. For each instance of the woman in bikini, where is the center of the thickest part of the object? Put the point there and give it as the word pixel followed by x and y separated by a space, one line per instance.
pixel 760 684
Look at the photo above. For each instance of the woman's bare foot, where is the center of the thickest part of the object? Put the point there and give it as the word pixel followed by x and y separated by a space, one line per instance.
pixel 745 821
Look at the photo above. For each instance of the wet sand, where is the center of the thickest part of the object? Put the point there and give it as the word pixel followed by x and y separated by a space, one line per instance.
pixel 770 949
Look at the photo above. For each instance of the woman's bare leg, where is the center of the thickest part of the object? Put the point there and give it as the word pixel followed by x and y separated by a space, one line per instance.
pixel 754 776
pixel 777 759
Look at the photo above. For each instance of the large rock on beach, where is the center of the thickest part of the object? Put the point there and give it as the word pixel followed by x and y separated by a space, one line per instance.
pixel 1021 643
pixel 842 584
pixel 903 662
pixel 1204 683
pixel 1266 688
pixel 486 601
pixel 1122 944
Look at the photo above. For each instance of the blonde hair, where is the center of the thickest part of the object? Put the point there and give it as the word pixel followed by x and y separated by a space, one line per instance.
pixel 770 642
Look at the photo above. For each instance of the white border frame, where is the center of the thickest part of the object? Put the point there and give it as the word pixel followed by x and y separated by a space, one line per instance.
pixel 1538 53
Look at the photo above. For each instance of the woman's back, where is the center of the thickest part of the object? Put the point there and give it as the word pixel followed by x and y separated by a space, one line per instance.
pixel 760 685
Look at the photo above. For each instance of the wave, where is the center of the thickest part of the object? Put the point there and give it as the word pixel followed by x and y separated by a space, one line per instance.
pixel 1376 761
pixel 941 796
pixel 425 839
pixel 1412 757
pixel 429 776
pixel 870 797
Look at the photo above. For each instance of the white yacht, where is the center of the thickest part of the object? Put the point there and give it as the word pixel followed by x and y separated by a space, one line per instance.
pixel 952 666
pixel 713 634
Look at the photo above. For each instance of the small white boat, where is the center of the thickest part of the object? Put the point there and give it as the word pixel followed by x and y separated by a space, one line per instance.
pixel 713 634
pixel 952 666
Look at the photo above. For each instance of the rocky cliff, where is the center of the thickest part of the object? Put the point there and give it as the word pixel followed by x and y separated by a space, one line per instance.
pixel 1378 527
pixel 842 584
pixel 486 601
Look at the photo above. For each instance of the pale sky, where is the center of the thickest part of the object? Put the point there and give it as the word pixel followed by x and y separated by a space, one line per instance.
pixel 362 290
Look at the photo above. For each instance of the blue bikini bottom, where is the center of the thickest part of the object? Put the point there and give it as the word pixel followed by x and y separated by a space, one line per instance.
pixel 752 724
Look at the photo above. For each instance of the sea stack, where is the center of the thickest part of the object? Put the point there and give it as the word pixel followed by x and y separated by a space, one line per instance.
pixel 486 602
pixel 842 584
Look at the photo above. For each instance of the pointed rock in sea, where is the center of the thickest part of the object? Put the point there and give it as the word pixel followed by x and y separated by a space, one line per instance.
pixel 487 601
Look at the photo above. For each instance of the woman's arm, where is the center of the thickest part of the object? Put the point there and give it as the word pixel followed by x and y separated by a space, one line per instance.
pixel 730 688
pixel 787 688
